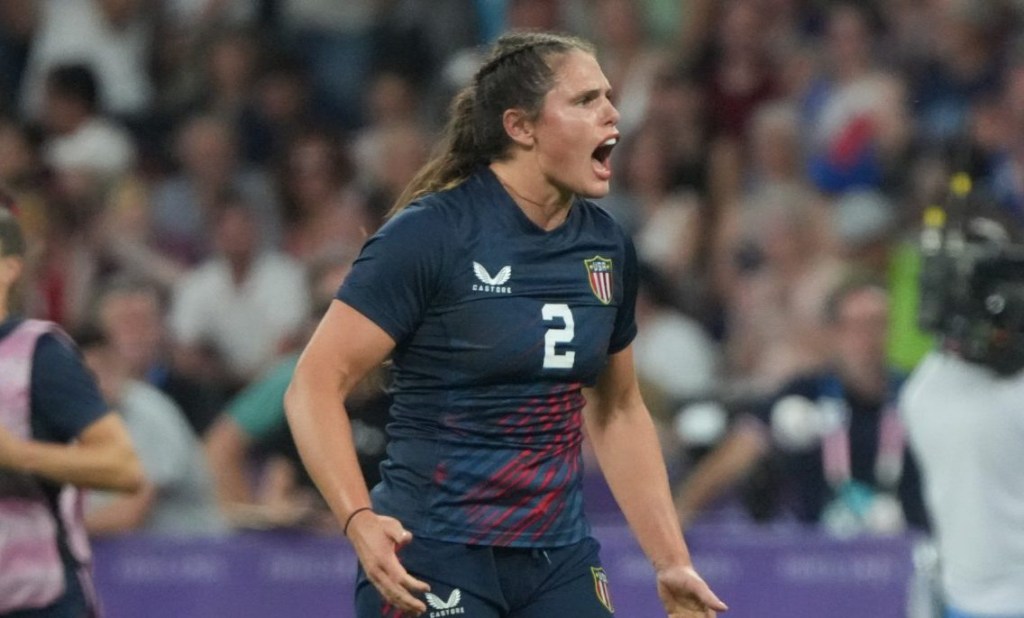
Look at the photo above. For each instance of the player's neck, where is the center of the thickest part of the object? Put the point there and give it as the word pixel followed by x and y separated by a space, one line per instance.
pixel 545 206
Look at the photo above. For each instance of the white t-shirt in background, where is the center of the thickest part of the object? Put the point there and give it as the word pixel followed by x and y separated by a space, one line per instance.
pixel 966 427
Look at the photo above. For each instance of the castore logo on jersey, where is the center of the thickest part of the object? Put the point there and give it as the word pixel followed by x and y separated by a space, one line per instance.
pixel 495 284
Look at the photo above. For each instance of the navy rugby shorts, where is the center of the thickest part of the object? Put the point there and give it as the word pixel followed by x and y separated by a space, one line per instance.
pixel 468 581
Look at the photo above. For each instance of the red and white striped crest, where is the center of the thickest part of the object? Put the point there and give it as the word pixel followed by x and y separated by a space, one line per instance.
pixel 604 595
pixel 599 272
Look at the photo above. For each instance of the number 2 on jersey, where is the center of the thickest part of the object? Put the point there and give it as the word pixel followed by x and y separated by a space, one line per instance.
pixel 556 335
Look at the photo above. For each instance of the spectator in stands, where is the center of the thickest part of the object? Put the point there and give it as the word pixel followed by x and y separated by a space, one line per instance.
pixel 184 205
pixel 80 139
pixel 967 63
pixel 282 106
pixel 132 315
pixel 391 100
pixel 776 149
pixel 56 435
pixel 835 431
pixel 253 430
pixel 112 37
pixel 856 114
pixel 672 350
pixel 177 498
pixel 401 150
pixel 628 56
pixel 334 38
pixel 736 68
pixel 324 211
pixel 775 303
pixel 21 173
pixel 241 309
pixel 231 61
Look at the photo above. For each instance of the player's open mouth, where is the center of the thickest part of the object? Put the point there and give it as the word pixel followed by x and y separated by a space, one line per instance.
pixel 602 158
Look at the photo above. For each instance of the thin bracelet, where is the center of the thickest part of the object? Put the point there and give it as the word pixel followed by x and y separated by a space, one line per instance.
pixel 344 531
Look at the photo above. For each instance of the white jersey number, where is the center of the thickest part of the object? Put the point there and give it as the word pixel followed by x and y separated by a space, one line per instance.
pixel 556 335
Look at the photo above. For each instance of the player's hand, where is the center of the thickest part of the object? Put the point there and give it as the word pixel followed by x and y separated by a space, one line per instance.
pixel 686 595
pixel 377 539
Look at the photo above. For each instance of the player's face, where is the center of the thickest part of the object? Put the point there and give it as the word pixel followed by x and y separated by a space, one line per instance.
pixel 575 131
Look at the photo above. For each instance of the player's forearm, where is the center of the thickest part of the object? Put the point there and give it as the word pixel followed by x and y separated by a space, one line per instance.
pixel 321 429
pixel 98 466
pixel 628 451
pixel 121 515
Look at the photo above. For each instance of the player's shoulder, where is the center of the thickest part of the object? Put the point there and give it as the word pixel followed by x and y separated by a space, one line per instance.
pixel 596 217
pixel 426 219
pixel 452 211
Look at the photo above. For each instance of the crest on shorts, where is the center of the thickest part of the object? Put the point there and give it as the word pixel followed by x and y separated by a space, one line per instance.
pixel 604 595
pixel 599 273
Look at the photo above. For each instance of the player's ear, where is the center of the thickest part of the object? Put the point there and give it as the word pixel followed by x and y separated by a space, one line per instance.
pixel 518 126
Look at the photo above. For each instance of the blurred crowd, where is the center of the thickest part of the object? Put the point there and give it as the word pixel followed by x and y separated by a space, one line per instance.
pixel 196 175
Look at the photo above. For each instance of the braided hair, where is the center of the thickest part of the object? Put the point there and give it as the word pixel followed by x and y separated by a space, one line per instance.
pixel 518 73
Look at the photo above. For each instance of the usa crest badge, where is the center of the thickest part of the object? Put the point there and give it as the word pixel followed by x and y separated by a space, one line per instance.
pixel 604 595
pixel 599 272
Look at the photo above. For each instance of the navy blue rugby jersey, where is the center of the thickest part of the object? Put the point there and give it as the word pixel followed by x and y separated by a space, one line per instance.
pixel 498 324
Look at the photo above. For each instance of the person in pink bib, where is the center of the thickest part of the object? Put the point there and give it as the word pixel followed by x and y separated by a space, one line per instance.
pixel 56 435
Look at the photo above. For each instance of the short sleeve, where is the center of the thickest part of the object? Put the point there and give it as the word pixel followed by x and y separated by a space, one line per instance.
pixel 625 320
pixel 259 408
pixel 399 271
pixel 65 397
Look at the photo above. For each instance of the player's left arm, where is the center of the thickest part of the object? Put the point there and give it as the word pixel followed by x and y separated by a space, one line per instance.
pixel 622 433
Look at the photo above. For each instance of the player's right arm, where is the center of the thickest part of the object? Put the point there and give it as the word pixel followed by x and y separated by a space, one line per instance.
pixel 86 444
pixel 344 348
pixel 101 458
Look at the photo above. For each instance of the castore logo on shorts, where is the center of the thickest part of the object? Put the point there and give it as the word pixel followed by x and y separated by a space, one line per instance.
pixel 445 608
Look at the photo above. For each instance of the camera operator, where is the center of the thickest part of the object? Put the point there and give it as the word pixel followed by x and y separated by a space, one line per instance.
pixel 964 412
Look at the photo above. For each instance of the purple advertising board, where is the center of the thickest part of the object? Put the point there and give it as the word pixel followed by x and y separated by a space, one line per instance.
pixel 759 572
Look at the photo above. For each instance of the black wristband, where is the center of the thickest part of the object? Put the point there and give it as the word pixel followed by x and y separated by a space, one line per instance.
pixel 344 531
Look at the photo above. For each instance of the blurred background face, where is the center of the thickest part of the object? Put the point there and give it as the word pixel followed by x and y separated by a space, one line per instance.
pixel 232 63
pixel 646 165
pixel 740 31
pixel 237 236
pixel 312 170
pixel 208 149
pixel 404 149
pixel 391 99
pixel 618 22
pixel 848 38
pixel 534 14
pixel 281 96
pixel 861 327
pixel 133 322
pixel 104 362
pixel 775 145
